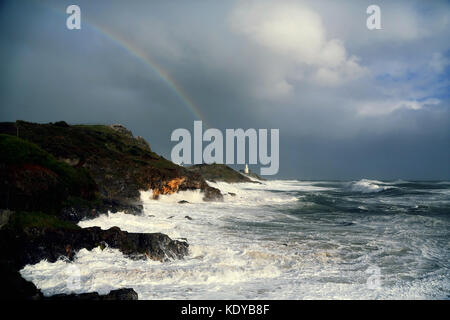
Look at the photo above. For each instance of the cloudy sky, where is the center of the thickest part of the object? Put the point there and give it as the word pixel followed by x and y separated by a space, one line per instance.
pixel 350 102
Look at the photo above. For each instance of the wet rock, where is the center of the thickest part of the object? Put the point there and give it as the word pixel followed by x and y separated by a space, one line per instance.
pixel 121 129
pixel 219 172
pixel 183 201
pixel 28 238
pixel 31 245
pixel 61 124
pixel 4 217
pixel 114 165
pixel 187 217
pixel 119 294
pixel 14 287
pixel 212 194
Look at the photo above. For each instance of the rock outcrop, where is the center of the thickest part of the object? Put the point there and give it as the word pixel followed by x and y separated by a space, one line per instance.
pixel 14 287
pixel 31 237
pixel 28 238
pixel 119 294
pixel 219 172
pixel 54 175
pixel 31 179
pixel 81 170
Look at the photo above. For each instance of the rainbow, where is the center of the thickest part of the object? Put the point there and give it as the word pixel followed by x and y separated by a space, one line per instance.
pixel 138 53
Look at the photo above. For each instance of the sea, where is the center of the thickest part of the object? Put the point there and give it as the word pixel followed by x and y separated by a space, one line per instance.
pixel 279 239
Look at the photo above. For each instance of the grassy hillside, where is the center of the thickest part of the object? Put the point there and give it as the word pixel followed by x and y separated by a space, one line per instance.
pixel 33 179
pixel 218 172
pixel 81 158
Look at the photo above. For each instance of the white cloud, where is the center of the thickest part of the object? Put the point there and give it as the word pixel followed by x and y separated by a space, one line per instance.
pixel 384 107
pixel 295 35
pixel 438 62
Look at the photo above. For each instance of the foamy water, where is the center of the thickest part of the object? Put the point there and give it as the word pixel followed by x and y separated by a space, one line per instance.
pixel 278 240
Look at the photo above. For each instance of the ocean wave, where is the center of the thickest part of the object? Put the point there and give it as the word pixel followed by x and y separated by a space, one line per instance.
pixel 369 186
pixel 192 196
pixel 275 240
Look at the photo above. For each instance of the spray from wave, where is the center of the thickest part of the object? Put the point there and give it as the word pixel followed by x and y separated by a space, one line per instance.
pixel 367 186
pixel 279 240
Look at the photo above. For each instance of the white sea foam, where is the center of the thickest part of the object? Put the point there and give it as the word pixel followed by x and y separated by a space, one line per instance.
pixel 246 248
pixel 368 186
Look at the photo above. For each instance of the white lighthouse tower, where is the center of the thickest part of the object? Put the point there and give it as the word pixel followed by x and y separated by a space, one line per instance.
pixel 246 171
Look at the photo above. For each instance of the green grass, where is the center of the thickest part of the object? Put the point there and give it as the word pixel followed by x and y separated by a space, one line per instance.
pixel 16 151
pixel 78 202
pixel 162 163
pixel 24 220
pixel 219 172
pixel 97 127
pixel 114 140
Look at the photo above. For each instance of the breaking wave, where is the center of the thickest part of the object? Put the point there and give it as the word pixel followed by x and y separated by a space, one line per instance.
pixel 368 186
pixel 278 240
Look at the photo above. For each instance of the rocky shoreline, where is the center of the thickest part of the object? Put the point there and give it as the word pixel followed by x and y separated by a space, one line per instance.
pixel 54 175
pixel 85 170
pixel 219 172
pixel 25 242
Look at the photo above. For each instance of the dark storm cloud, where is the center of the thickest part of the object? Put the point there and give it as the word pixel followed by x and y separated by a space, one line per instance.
pixel 349 103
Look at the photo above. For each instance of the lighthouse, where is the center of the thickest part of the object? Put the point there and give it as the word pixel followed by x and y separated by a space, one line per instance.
pixel 246 171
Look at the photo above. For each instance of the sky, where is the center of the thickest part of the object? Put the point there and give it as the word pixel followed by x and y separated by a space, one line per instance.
pixel 350 103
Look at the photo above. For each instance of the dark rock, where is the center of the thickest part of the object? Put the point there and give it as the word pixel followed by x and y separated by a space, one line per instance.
pixel 121 129
pixel 143 143
pixel 232 194
pixel 170 217
pixel 14 287
pixel 218 172
pixel 61 124
pixel 31 179
pixel 119 294
pixel 76 214
pixel 254 175
pixel 111 168
pixel 28 238
pixel 183 201
pixel 4 217
pixel 30 244
pixel 212 194
pixel 187 217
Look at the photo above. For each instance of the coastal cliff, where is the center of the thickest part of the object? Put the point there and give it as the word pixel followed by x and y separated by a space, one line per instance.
pixel 53 175
pixel 220 172
pixel 86 169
